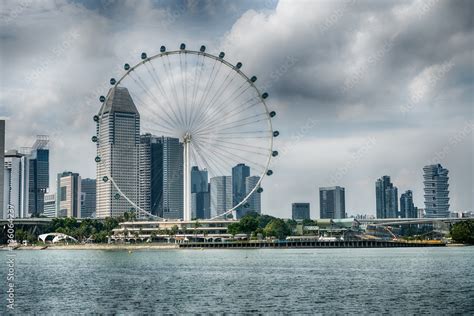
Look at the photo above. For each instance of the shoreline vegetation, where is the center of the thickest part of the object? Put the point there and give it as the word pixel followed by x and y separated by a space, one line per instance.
pixel 93 234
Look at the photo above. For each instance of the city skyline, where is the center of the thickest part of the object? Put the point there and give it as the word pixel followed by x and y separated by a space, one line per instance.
pixel 341 140
pixel 390 207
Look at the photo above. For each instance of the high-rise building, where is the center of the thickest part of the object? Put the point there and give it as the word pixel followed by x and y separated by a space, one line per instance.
pixel 407 208
pixel 253 203
pixel 436 191
pixel 161 176
pixel 221 195
pixel 50 205
pixel 151 174
pixel 200 195
pixel 200 205
pixel 386 198
pixel 173 199
pixel 239 192
pixel 2 162
pixel 118 143
pixel 199 181
pixel 332 202
pixel 88 196
pixel 38 174
pixel 68 195
pixel 16 183
pixel 300 211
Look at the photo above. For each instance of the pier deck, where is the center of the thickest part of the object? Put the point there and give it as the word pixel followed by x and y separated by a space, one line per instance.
pixel 310 244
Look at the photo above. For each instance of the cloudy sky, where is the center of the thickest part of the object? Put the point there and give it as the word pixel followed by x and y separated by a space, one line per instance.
pixel 362 88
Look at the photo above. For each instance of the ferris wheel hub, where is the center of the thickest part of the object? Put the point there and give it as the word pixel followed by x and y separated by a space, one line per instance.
pixel 187 137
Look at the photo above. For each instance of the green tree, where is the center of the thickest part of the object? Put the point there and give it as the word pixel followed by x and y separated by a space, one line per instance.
pixel 308 222
pixel 277 228
pixel 110 223
pixel 233 229
pixel 463 232
pixel 248 224
pixel 174 230
pixel 263 220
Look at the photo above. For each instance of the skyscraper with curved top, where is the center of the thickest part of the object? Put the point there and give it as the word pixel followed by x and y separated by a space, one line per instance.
pixel 436 191
pixel 118 146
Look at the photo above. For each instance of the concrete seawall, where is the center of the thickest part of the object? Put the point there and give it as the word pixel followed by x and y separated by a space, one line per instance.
pixel 311 244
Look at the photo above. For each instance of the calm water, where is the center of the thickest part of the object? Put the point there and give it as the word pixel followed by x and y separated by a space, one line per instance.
pixel 398 281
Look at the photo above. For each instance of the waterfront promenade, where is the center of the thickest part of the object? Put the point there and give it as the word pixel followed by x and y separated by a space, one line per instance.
pixel 313 244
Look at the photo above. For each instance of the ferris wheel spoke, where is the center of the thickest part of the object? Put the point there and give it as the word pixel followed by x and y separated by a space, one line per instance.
pixel 149 109
pixel 221 170
pixel 202 101
pixel 233 148
pixel 206 104
pixel 212 120
pixel 227 103
pixel 163 90
pixel 245 124
pixel 228 156
pixel 145 89
pixel 221 89
pixel 243 132
pixel 218 92
pixel 248 137
pixel 240 123
pixel 220 140
pixel 215 118
pixel 170 124
pixel 203 92
pixel 163 93
pixel 214 168
pixel 195 84
pixel 183 86
pixel 172 85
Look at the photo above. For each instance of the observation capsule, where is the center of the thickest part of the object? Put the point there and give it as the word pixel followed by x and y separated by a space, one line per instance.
pixel 143 56
pixel 269 172
pixel 259 190
pixel 273 113
pixel 239 65
pixel 265 95
pixel 96 118
pixel 276 133
pixel 105 178
pixel 94 139
pixel 202 49
pixel 182 46
pixel 253 79
pixel 126 66
pixel 97 159
pixel 162 49
pixel 112 81
pixel 101 98
pixel 221 55
pixel 275 153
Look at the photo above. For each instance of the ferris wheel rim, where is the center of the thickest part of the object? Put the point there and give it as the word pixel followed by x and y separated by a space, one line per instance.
pixel 240 73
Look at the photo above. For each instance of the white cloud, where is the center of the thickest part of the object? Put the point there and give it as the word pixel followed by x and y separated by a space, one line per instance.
pixel 303 53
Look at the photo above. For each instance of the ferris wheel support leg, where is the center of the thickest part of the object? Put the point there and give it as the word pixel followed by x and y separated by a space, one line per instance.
pixel 187 181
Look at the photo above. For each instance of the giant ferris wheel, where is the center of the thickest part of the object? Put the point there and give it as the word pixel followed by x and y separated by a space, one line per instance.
pixel 216 111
